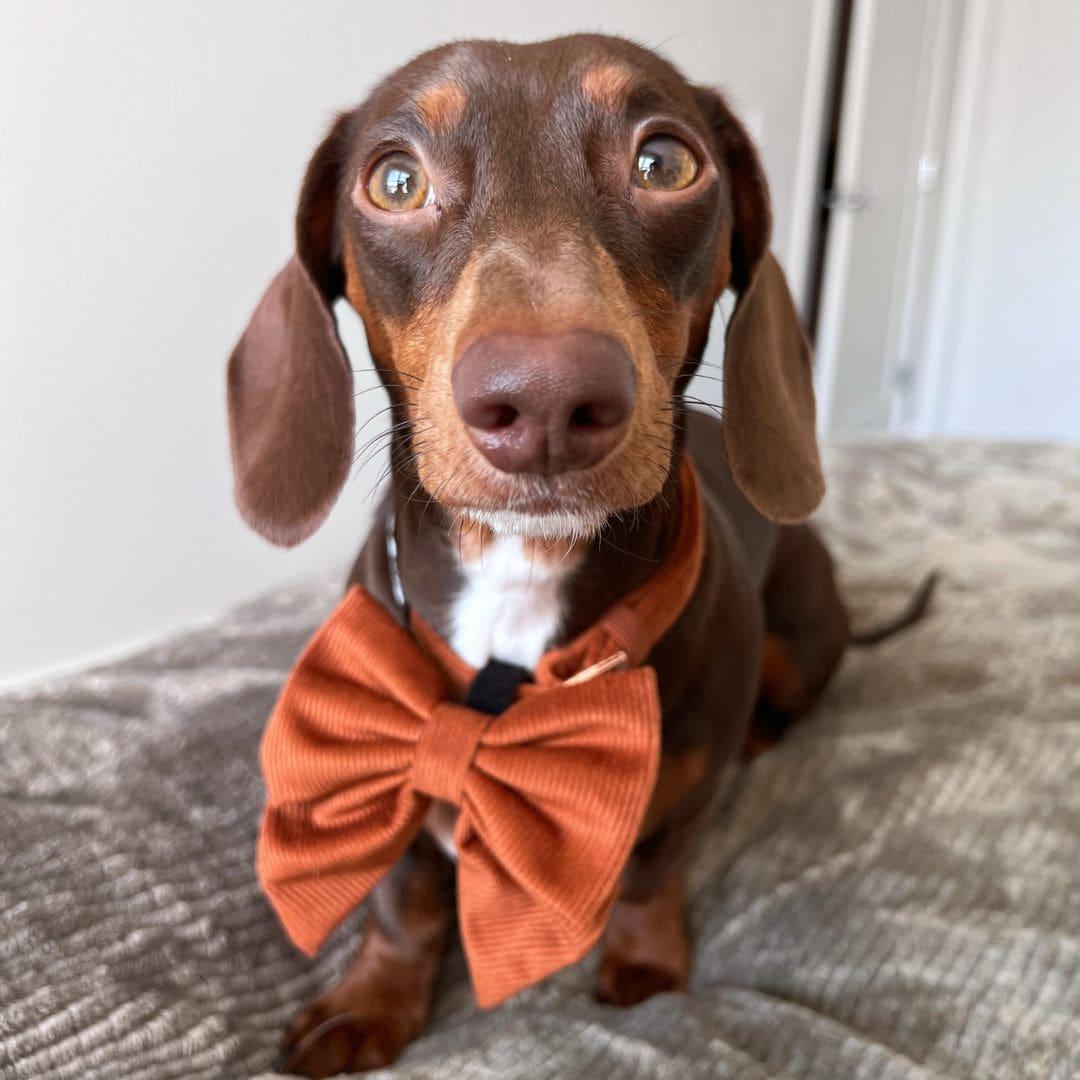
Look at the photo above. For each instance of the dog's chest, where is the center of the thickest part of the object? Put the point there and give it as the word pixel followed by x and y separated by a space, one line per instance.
pixel 510 607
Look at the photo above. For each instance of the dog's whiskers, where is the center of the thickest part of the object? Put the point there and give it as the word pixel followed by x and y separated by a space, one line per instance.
pixel 721 410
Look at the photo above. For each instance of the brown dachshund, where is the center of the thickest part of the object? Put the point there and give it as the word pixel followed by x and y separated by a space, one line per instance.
pixel 536 237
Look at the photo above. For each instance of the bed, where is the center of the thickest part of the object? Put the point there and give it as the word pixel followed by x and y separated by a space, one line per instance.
pixel 893 891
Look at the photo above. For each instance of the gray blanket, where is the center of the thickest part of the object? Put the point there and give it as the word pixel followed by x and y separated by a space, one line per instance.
pixel 892 892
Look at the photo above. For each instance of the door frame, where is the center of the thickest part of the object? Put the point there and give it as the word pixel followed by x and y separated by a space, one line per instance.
pixel 810 158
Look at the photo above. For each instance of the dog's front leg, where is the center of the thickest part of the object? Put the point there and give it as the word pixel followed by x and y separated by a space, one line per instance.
pixel 383 998
pixel 646 950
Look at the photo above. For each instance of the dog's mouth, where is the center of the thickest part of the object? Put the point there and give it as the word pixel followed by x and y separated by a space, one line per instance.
pixel 572 506
pixel 547 525
pixel 538 507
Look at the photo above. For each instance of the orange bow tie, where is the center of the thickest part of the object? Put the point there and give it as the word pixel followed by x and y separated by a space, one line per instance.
pixel 552 791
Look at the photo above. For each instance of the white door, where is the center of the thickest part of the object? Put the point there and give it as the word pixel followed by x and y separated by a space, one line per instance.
pixel 879 247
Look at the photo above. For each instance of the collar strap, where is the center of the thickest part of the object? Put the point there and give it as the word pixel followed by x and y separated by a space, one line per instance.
pixel 495 687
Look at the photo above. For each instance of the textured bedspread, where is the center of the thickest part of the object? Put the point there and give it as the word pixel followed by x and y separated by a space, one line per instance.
pixel 892 892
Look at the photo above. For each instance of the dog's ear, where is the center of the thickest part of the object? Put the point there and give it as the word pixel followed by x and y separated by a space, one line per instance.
pixel 290 389
pixel 769 415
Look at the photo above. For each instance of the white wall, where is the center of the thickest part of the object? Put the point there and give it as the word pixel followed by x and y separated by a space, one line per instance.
pixel 1009 363
pixel 150 158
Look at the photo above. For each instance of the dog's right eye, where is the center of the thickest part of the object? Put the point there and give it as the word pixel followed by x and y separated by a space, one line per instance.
pixel 665 163
pixel 399 182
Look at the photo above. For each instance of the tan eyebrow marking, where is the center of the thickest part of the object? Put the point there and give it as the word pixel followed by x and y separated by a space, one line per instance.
pixel 442 106
pixel 607 84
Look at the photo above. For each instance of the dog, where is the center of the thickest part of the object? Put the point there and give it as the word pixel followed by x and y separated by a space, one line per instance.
pixel 536 238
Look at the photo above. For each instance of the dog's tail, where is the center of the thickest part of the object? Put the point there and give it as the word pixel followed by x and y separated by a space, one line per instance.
pixel 912 612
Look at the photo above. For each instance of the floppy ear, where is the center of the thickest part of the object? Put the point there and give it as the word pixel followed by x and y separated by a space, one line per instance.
pixel 290 390
pixel 769 415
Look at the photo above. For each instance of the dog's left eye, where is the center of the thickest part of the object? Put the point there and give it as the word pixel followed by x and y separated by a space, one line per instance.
pixel 399 182
pixel 665 163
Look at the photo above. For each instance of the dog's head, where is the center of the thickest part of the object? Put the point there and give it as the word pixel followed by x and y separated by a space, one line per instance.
pixel 535 237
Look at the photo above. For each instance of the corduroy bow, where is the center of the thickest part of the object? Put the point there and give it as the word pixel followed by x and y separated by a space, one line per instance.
pixel 552 791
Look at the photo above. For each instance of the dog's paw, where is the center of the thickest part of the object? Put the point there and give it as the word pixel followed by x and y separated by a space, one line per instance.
pixel 646 950
pixel 324 1040
pixel 625 982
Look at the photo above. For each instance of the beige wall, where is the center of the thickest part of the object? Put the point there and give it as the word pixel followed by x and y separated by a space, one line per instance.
pixel 150 158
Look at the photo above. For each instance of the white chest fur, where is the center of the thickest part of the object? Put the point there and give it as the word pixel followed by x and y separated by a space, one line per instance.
pixel 510 606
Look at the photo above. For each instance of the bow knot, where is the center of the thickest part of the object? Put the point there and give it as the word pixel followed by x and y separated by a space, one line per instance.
pixel 445 750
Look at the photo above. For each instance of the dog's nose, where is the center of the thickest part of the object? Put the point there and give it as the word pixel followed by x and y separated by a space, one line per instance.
pixel 544 403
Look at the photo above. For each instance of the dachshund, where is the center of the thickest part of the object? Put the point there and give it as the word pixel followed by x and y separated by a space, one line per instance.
pixel 536 238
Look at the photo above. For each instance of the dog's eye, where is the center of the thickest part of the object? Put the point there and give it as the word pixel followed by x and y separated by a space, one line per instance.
pixel 665 163
pixel 398 182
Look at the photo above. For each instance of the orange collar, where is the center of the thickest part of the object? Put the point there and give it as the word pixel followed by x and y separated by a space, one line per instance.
pixel 627 632
pixel 552 791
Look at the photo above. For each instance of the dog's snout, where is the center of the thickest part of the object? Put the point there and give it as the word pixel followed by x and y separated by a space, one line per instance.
pixel 545 403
